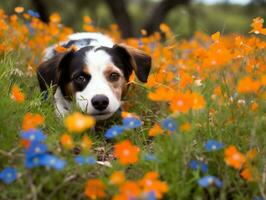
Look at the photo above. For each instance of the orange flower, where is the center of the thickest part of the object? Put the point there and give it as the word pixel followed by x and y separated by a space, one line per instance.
pixel 161 94
pixel 164 28
pixel 218 55
pixel 95 189
pixel 117 178
pixel 198 101
pixel 67 141
pixel 130 189
pixel 155 130
pixel 257 26
pixel 143 32
pixel 217 91
pixel 60 49
pixel 19 9
pixel 31 121
pixel 78 122
pixel 87 19
pixel 185 127
pixel 132 78
pixel 254 106
pixel 126 152
pixel 247 85
pixel 121 197
pixel 88 28
pixel 26 16
pixel 128 114
pixel 239 40
pixel 86 143
pixel 246 174
pixel 251 154
pixel 216 36
pixel 150 183
pixel 263 80
pixel 25 143
pixel 16 94
pixel 55 18
pixel 185 79
pixel 234 158
pixel 181 102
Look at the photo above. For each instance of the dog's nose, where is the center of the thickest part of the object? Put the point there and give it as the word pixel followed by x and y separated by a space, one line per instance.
pixel 100 102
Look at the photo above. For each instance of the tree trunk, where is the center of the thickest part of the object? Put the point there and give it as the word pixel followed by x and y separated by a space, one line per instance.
pixel 42 9
pixel 159 13
pixel 121 16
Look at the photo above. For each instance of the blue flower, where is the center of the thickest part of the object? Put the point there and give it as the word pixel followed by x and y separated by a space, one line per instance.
pixel 131 122
pixel 151 195
pixel 79 160
pixel 33 13
pixel 36 155
pixel 90 160
pixel 140 43
pixel 36 148
pixel 33 161
pixel 33 135
pixel 8 175
pixel 152 46
pixel 207 181
pixel 169 124
pixel 150 157
pixel 52 161
pixel 213 145
pixel 114 131
pixel 31 30
pixel 195 165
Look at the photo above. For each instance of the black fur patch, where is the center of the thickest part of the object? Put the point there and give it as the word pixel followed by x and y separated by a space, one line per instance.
pixel 73 67
pixel 62 69
pixel 128 60
pixel 121 59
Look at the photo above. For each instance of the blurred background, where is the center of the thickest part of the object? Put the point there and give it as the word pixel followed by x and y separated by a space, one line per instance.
pixel 183 16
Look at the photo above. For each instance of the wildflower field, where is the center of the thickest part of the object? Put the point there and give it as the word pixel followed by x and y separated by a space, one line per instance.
pixel 196 130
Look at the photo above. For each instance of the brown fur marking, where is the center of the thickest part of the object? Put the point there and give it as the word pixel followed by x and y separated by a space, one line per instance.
pixel 118 87
pixel 70 91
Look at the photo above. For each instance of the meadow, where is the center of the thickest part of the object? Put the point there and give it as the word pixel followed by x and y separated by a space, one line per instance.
pixel 196 130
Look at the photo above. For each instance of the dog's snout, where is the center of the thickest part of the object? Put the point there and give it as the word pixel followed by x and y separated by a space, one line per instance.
pixel 100 102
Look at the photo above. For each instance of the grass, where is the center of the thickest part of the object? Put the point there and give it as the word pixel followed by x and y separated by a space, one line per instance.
pixel 172 152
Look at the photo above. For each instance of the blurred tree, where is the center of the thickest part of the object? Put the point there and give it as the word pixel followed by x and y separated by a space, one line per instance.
pixel 42 9
pixel 119 10
pixel 159 13
pixel 157 16
pixel 258 2
pixel 121 16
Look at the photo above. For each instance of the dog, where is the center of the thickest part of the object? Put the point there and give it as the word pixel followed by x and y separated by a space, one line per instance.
pixel 93 75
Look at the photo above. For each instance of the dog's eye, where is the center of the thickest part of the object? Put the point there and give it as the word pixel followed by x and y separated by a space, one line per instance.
pixel 114 77
pixel 81 79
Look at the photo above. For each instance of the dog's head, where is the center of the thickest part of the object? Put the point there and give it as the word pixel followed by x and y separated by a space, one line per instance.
pixel 95 77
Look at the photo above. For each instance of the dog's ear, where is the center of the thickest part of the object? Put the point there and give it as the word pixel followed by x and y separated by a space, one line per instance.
pixel 49 72
pixel 139 60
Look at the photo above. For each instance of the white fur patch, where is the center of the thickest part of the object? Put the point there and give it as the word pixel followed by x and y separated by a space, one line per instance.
pixel 99 39
pixel 62 106
pixel 98 85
